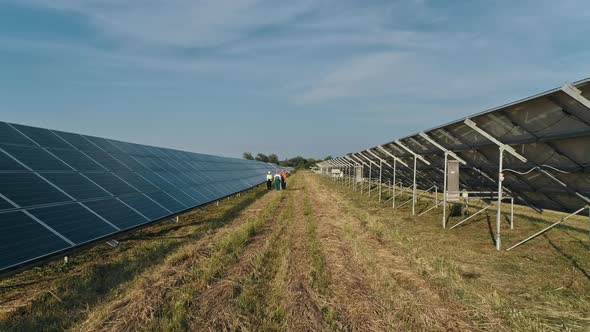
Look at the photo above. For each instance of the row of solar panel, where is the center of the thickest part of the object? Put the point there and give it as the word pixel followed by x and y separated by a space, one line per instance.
pixel 31 189
pixel 43 159
pixel 76 223
pixel 61 190
pixel 52 139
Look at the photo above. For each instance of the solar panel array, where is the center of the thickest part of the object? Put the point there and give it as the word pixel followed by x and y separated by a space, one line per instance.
pixel 61 190
pixel 551 130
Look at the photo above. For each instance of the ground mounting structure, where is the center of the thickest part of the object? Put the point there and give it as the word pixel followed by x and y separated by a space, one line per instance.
pixel 534 152
pixel 61 191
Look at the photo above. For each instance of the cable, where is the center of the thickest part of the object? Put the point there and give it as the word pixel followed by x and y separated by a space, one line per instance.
pixel 534 168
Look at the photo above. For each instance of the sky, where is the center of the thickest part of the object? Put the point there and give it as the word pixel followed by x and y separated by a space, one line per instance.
pixel 311 78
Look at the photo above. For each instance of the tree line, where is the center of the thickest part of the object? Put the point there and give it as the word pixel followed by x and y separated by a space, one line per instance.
pixel 295 162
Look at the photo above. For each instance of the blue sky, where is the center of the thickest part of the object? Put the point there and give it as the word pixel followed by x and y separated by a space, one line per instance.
pixel 300 77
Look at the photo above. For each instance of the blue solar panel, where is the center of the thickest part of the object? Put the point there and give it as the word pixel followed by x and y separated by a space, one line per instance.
pixel 59 188
pixel 4 205
pixel 12 136
pixel 176 182
pixel 43 137
pixel 156 180
pixel 111 183
pixel 65 219
pixel 78 141
pixel 137 181
pixel 167 201
pixel 104 144
pixel 146 206
pixel 34 240
pixel 76 185
pixel 130 162
pixel 9 164
pixel 107 161
pixel 35 158
pixel 181 196
pixel 117 213
pixel 27 189
pixel 77 160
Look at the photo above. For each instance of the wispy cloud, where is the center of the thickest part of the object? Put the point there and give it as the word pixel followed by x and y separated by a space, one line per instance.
pixel 384 58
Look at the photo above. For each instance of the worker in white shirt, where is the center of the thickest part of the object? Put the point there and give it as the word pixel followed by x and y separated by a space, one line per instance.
pixel 268 181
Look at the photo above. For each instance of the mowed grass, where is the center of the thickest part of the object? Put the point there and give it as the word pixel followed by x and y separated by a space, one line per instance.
pixel 543 285
pixel 56 296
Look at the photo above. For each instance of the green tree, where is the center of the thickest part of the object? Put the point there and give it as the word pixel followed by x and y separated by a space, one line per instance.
pixel 248 156
pixel 262 157
pixel 273 158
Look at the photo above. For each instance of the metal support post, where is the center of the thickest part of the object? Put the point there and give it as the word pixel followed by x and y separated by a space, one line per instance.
pixel 380 177
pixel 499 203
pixel 394 183
pixel 444 216
pixel 362 178
pixel 414 189
pixel 511 212
pixel 370 178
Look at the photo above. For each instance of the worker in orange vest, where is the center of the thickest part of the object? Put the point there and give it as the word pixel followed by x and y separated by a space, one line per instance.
pixel 283 179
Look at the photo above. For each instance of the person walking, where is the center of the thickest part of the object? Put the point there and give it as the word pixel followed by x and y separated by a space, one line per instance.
pixel 278 181
pixel 283 179
pixel 268 181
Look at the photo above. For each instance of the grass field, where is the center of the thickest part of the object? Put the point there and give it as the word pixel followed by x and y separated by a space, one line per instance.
pixel 314 257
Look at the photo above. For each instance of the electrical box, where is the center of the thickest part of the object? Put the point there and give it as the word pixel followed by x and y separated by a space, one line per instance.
pixel 453 193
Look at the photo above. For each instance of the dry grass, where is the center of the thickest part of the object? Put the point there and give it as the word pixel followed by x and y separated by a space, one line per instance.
pixel 543 285
pixel 314 257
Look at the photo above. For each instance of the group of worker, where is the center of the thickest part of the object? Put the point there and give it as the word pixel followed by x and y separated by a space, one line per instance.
pixel 280 180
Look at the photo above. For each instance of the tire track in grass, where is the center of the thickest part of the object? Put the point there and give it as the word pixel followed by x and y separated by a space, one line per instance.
pixel 205 271
pixel 239 299
pixel 306 282
pixel 411 301
pixel 146 302
pixel 356 305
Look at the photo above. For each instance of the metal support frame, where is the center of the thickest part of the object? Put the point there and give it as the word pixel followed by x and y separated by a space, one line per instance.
pixel 471 216
pixel 416 157
pixel 356 166
pixel 551 226
pixel 381 162
pixel 576 94
pixel 447 154
pixel 501 147
pixel 436 202
pixel 362 169
pixel 370 170
pixel 395 161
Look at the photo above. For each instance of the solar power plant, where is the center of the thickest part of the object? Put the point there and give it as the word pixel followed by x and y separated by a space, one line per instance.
pixel 60 191
pixel 535 151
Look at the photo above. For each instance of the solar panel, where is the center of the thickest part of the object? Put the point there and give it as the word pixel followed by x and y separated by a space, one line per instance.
pixel 28 189
pixel 76 185
pixel 23 239
pixel 544 142
pixel 35 158
pixel 59 190
pixel 43 137
pixel 65 219
pixel 145 206
pixel 117 213
pixel 167 201
pixel 77 160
